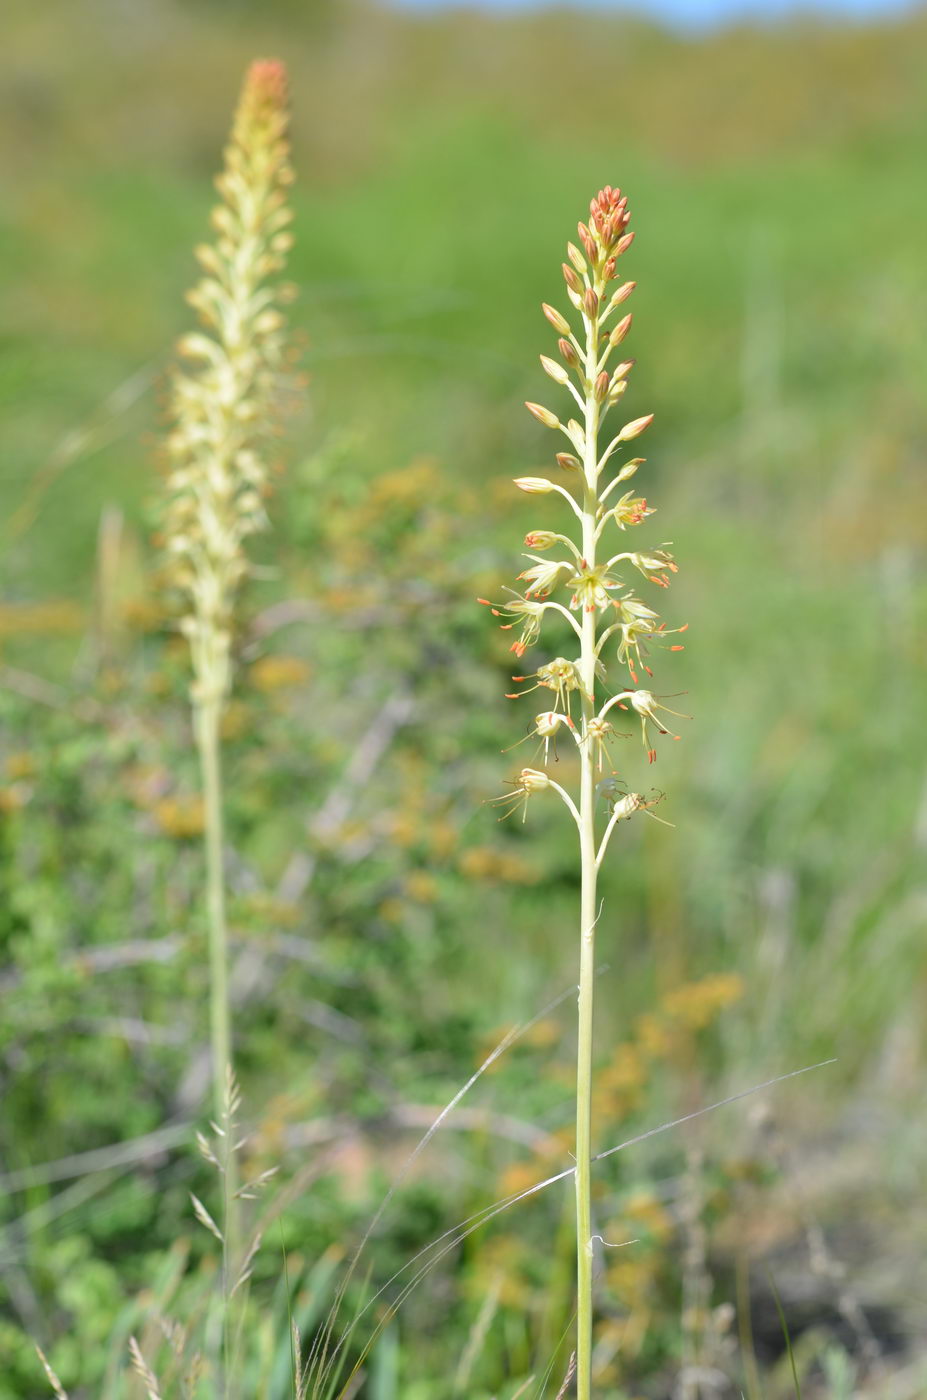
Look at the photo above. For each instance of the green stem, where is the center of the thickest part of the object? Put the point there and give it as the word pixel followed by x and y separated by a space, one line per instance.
pixel 587 845
pixel 206 717
pixel 206 722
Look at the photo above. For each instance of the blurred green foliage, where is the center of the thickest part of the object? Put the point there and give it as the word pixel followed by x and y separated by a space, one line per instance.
pixel 385 926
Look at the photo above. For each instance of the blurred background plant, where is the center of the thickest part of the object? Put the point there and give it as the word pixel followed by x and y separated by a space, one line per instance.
pixel 383 926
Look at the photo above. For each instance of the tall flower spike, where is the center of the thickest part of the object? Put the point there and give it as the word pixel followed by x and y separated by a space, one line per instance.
pixel 600 608
pixel 226 395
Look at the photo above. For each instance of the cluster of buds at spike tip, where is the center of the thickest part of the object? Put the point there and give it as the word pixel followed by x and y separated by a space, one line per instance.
pixel 227 392
pixel 576 579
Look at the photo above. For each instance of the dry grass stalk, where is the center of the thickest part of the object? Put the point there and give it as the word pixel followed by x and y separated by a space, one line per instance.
pixel 143 1371
pixel 54 1382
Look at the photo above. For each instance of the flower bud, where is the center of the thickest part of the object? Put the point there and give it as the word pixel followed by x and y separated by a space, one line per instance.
pixel 587 241
pixel 620 331
pixel 635 428
pixel 630 468
pixel 601 386
pixel 624 243
pixel 541 539
pixel 576 257
pixel 590 303
pixel 199 347
pixel 559 323
pixel 532 780
pixel 534 485
pixel 572 279
pixel 621 294
pixel 568 462
pixel 568 352
pixel 543 415
pixel 556 372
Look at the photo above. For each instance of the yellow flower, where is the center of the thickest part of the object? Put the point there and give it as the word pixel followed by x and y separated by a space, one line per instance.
pixel 421 887
pixel 652 1036
pixel 234 720
pixel 181 817
pixel 272 673
pixel 520 1176
pixel 14 797
pixel 484 863
pixel 20 765
pixel 644 1209
pixel 543 1034
pixel 696 1005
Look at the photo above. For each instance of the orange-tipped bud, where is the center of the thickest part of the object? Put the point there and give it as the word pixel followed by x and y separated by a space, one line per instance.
pixel 559 323
pixel 534 485
pixel 572 278
pixel 541 539
pixel 630 468
pixel 568 462
pixel 556 372
pixel 576 257
pixel 567 351
pixel 590 303
pixel 620 331
pixel 624 243
pixel 543 415
pixel 587 241
pixel 623 370
pixel 622 294
pixel 602 385
pixel 635 428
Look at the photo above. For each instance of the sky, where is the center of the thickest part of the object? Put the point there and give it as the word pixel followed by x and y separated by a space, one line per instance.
pixel 691 13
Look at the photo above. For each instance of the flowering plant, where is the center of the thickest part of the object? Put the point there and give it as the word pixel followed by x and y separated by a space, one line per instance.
pixel 605 617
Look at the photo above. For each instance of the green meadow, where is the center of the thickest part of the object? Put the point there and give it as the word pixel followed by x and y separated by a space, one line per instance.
pixel 387 930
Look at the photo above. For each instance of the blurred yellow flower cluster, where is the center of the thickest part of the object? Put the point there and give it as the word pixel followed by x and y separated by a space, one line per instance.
pixel 497 866
pixel 659 1035
pixel 696 1004
pixel 180 816
pixel 406 521
pixel 277 672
